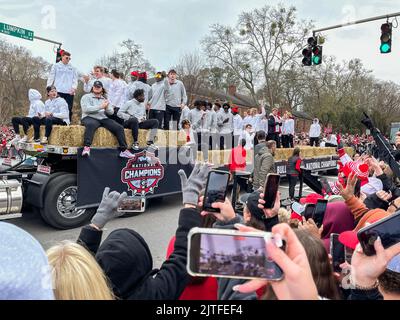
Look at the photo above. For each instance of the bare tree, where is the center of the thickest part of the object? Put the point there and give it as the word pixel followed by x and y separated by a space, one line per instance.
pixel 19 71
pixel 130 58
pixel 265 43
pixel 192 72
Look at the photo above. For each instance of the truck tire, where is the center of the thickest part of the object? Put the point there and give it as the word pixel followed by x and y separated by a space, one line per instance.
pixel 59 204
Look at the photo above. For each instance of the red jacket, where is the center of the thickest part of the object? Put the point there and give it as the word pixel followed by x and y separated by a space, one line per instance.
pixel 238 159
pixel 207 290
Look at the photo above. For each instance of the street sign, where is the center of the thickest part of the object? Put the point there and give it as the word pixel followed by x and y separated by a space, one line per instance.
pixel 16 31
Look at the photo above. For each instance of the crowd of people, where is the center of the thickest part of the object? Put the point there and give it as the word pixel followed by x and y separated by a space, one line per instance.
pixel 114 104
pixel 121 266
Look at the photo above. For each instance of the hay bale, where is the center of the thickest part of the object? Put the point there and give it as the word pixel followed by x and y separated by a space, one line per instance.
pixel 72 136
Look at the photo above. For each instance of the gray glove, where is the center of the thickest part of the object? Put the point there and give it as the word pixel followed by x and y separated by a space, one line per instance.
pixel 108 208
pixel 192 187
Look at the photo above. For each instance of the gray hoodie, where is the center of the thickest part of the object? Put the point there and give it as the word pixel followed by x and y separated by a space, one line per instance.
pixel 136 85
pixel 199 120
pixel 176 94
pixel 36 106
pixel 90 105
pixel 133 108
pixel 159 93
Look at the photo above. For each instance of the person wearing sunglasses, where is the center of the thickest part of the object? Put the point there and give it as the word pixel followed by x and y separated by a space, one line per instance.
pixel 64 77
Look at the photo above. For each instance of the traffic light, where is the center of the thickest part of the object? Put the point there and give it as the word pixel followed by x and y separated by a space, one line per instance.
pixel 307 53
pixel 312 53
pixel 386 38
pixel 59 54
pixel 317 52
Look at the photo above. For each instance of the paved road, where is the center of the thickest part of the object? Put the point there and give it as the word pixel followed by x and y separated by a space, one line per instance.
pixel 157 225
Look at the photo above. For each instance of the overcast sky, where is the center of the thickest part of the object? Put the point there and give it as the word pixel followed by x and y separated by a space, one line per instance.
pixel 168 28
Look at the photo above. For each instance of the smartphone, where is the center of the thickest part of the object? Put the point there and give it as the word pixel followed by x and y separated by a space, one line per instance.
pixel 326 186
pixel 132 204
pixel 309 211
pixel 319 212
pixel 231 254
pixel 387 229
pixel 271 190
pixel 337 252
pixel 216 189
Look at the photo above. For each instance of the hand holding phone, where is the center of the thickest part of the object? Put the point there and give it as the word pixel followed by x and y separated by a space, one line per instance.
pixel 132 205
pixel 216 190
pixel 232 254
pixel 337 252
pixel 319 212
pixel 388 230
pixel 271 190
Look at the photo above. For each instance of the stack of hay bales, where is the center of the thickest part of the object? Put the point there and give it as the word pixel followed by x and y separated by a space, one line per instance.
pixel 72 136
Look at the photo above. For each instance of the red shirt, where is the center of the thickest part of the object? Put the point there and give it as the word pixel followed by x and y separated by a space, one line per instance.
pixel 238 159
pixel 207 290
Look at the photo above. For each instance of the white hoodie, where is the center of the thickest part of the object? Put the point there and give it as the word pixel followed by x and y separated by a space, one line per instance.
pixel 315 130
pixel 36 106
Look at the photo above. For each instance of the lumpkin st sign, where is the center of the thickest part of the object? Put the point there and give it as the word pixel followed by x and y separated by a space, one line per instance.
pixel 16 31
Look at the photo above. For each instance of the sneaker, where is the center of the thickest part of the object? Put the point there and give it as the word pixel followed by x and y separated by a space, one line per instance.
pixel 86 152
pixel 24 139
pixel 44 140
pixel 36 140
pixel 151 145
pixel 126 154
pixel 135 146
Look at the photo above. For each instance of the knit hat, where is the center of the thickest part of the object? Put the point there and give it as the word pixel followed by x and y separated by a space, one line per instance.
pixel 360 169
pixel 24 268
pixel 297 211
pixel 311 198
pixel 135 74
pixel 143 75
pixel 235 110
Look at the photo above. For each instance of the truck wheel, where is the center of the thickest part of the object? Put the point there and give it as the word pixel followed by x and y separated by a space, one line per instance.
pixel 60 201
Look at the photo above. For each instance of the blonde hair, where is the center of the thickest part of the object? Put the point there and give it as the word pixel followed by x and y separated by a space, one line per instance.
pixel 284 215
pixel 76 274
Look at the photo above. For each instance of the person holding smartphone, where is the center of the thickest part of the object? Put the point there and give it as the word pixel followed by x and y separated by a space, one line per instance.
pixel 125 256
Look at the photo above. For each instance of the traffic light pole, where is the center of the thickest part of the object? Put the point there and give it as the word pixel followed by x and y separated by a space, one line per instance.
pixel 386 16
pixel 47 40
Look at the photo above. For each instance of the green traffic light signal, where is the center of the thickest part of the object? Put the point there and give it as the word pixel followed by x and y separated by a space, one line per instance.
pixel 385 48
pixel 316 60
pixel 386 38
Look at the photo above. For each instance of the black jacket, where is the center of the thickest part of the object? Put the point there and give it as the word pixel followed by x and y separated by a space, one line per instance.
pixel 126 260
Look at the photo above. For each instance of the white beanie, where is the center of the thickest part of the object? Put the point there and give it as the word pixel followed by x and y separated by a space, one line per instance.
pixel 24 268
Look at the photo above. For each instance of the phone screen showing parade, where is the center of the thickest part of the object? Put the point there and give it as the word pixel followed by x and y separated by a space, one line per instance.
pixel 216 189
pixel 232 256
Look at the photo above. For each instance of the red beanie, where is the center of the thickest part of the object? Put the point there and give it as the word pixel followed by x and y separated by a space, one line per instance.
pixel 360 169
pixel 135 74
pixel 143 75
